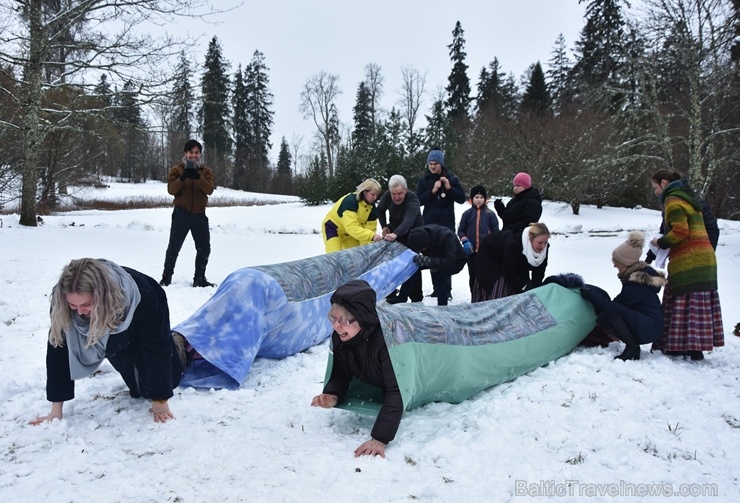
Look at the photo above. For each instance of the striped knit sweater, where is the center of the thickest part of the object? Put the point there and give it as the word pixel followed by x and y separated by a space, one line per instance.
pixel 692 265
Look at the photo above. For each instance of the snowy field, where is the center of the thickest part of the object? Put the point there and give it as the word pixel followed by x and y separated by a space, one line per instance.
pixel 583 428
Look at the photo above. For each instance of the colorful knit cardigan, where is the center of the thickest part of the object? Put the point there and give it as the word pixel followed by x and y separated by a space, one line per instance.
pixel 692 265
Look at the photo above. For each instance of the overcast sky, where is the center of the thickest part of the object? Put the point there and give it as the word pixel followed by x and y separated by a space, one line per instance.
pixel 300 38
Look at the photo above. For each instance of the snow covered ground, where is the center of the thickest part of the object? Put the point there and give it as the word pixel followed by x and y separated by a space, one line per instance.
pixel 585 427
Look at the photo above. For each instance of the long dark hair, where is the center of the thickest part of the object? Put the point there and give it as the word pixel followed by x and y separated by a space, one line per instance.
pixel 666 174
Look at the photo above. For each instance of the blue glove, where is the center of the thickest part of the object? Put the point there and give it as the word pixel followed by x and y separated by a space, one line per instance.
pixel 467 247
pixel 422 260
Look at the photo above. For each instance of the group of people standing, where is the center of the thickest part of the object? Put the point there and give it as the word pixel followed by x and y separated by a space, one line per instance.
pixel 500 262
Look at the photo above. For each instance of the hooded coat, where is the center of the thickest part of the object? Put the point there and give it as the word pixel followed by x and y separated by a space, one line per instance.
pixel 365 357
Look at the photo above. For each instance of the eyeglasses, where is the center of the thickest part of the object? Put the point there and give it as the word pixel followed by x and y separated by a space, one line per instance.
pixel 344 323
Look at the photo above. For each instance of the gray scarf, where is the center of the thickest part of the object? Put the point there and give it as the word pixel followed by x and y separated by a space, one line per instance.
pixel 83 360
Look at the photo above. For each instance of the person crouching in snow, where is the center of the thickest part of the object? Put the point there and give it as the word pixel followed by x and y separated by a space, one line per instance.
pixel 635 316
pixel 360 353
pixel 102 310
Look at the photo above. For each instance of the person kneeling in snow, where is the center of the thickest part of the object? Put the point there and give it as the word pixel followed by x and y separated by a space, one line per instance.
pixel 635 316
pixel 102 310
pixel 360 352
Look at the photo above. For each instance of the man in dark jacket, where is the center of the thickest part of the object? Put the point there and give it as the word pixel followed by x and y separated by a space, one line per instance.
pixel 438 190
pixel 442 253
pixel 405 214
pixel 191 183
pixel 360 353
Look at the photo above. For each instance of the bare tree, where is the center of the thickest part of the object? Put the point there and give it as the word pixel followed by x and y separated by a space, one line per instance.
pixel 318 103
pixel 691 43
pixel 62 44
pixel 374 82
pixel 412 96
pixel 295 143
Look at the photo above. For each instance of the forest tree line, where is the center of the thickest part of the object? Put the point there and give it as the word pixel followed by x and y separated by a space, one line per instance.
pixel 648 85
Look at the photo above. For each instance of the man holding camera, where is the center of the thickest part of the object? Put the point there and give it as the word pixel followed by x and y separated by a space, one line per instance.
pixel 191 183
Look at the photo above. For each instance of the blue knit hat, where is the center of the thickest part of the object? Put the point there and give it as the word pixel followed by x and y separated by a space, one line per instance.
pixel 436 156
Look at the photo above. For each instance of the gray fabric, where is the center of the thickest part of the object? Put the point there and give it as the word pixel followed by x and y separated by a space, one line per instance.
pixel 84 360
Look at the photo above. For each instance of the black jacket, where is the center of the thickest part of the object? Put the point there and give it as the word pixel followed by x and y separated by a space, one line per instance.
pixel 500 254
pixel 439 208
pixel 149 330
pixel 523 209
pixel 441 245
pixel 638 306
pixel 365 357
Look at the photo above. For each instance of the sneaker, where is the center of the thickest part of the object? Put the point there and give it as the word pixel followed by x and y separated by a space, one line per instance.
pixel 180 344
pixel 166 280
pixel 201 281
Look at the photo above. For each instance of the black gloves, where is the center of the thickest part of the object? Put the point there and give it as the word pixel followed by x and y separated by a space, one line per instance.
pixel 650 257
pixel 499 205
pixel 190 173
pixel 422 260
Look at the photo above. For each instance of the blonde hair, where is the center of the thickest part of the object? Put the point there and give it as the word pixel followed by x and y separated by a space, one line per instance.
pixel 339 311
pixel 538 229
pixel 369 184
pixel 83 276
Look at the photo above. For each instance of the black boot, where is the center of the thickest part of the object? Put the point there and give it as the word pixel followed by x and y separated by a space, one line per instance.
pixel 696 356
pixel 201 281
pixel 631 349
pixel 166 279
pixel 201 261
pixel 615 326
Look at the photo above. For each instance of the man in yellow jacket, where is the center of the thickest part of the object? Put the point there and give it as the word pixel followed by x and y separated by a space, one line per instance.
pixel 353 220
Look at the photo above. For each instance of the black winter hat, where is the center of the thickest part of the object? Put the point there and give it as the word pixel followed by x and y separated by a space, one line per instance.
pixel 418 239
pixel 478 189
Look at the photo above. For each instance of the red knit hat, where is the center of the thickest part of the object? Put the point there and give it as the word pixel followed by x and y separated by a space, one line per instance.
pixel 523 180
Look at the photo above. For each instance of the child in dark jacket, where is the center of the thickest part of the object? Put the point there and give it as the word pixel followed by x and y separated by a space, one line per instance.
pixel 475 224
pixel 635 316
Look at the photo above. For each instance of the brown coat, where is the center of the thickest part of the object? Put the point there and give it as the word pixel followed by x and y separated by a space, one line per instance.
pixel 190 195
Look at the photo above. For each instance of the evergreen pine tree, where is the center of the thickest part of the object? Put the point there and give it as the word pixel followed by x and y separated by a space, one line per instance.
pixel 261 118
pixel 558 73
pixel 536 98
pixel 458 87
pixel 182 119
pixel 458 96
pixel 362 134
pixel 496 92
pixel 598 71
pixel 214 111
pixel 282 183
pixel 242 132
pixel 313 187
